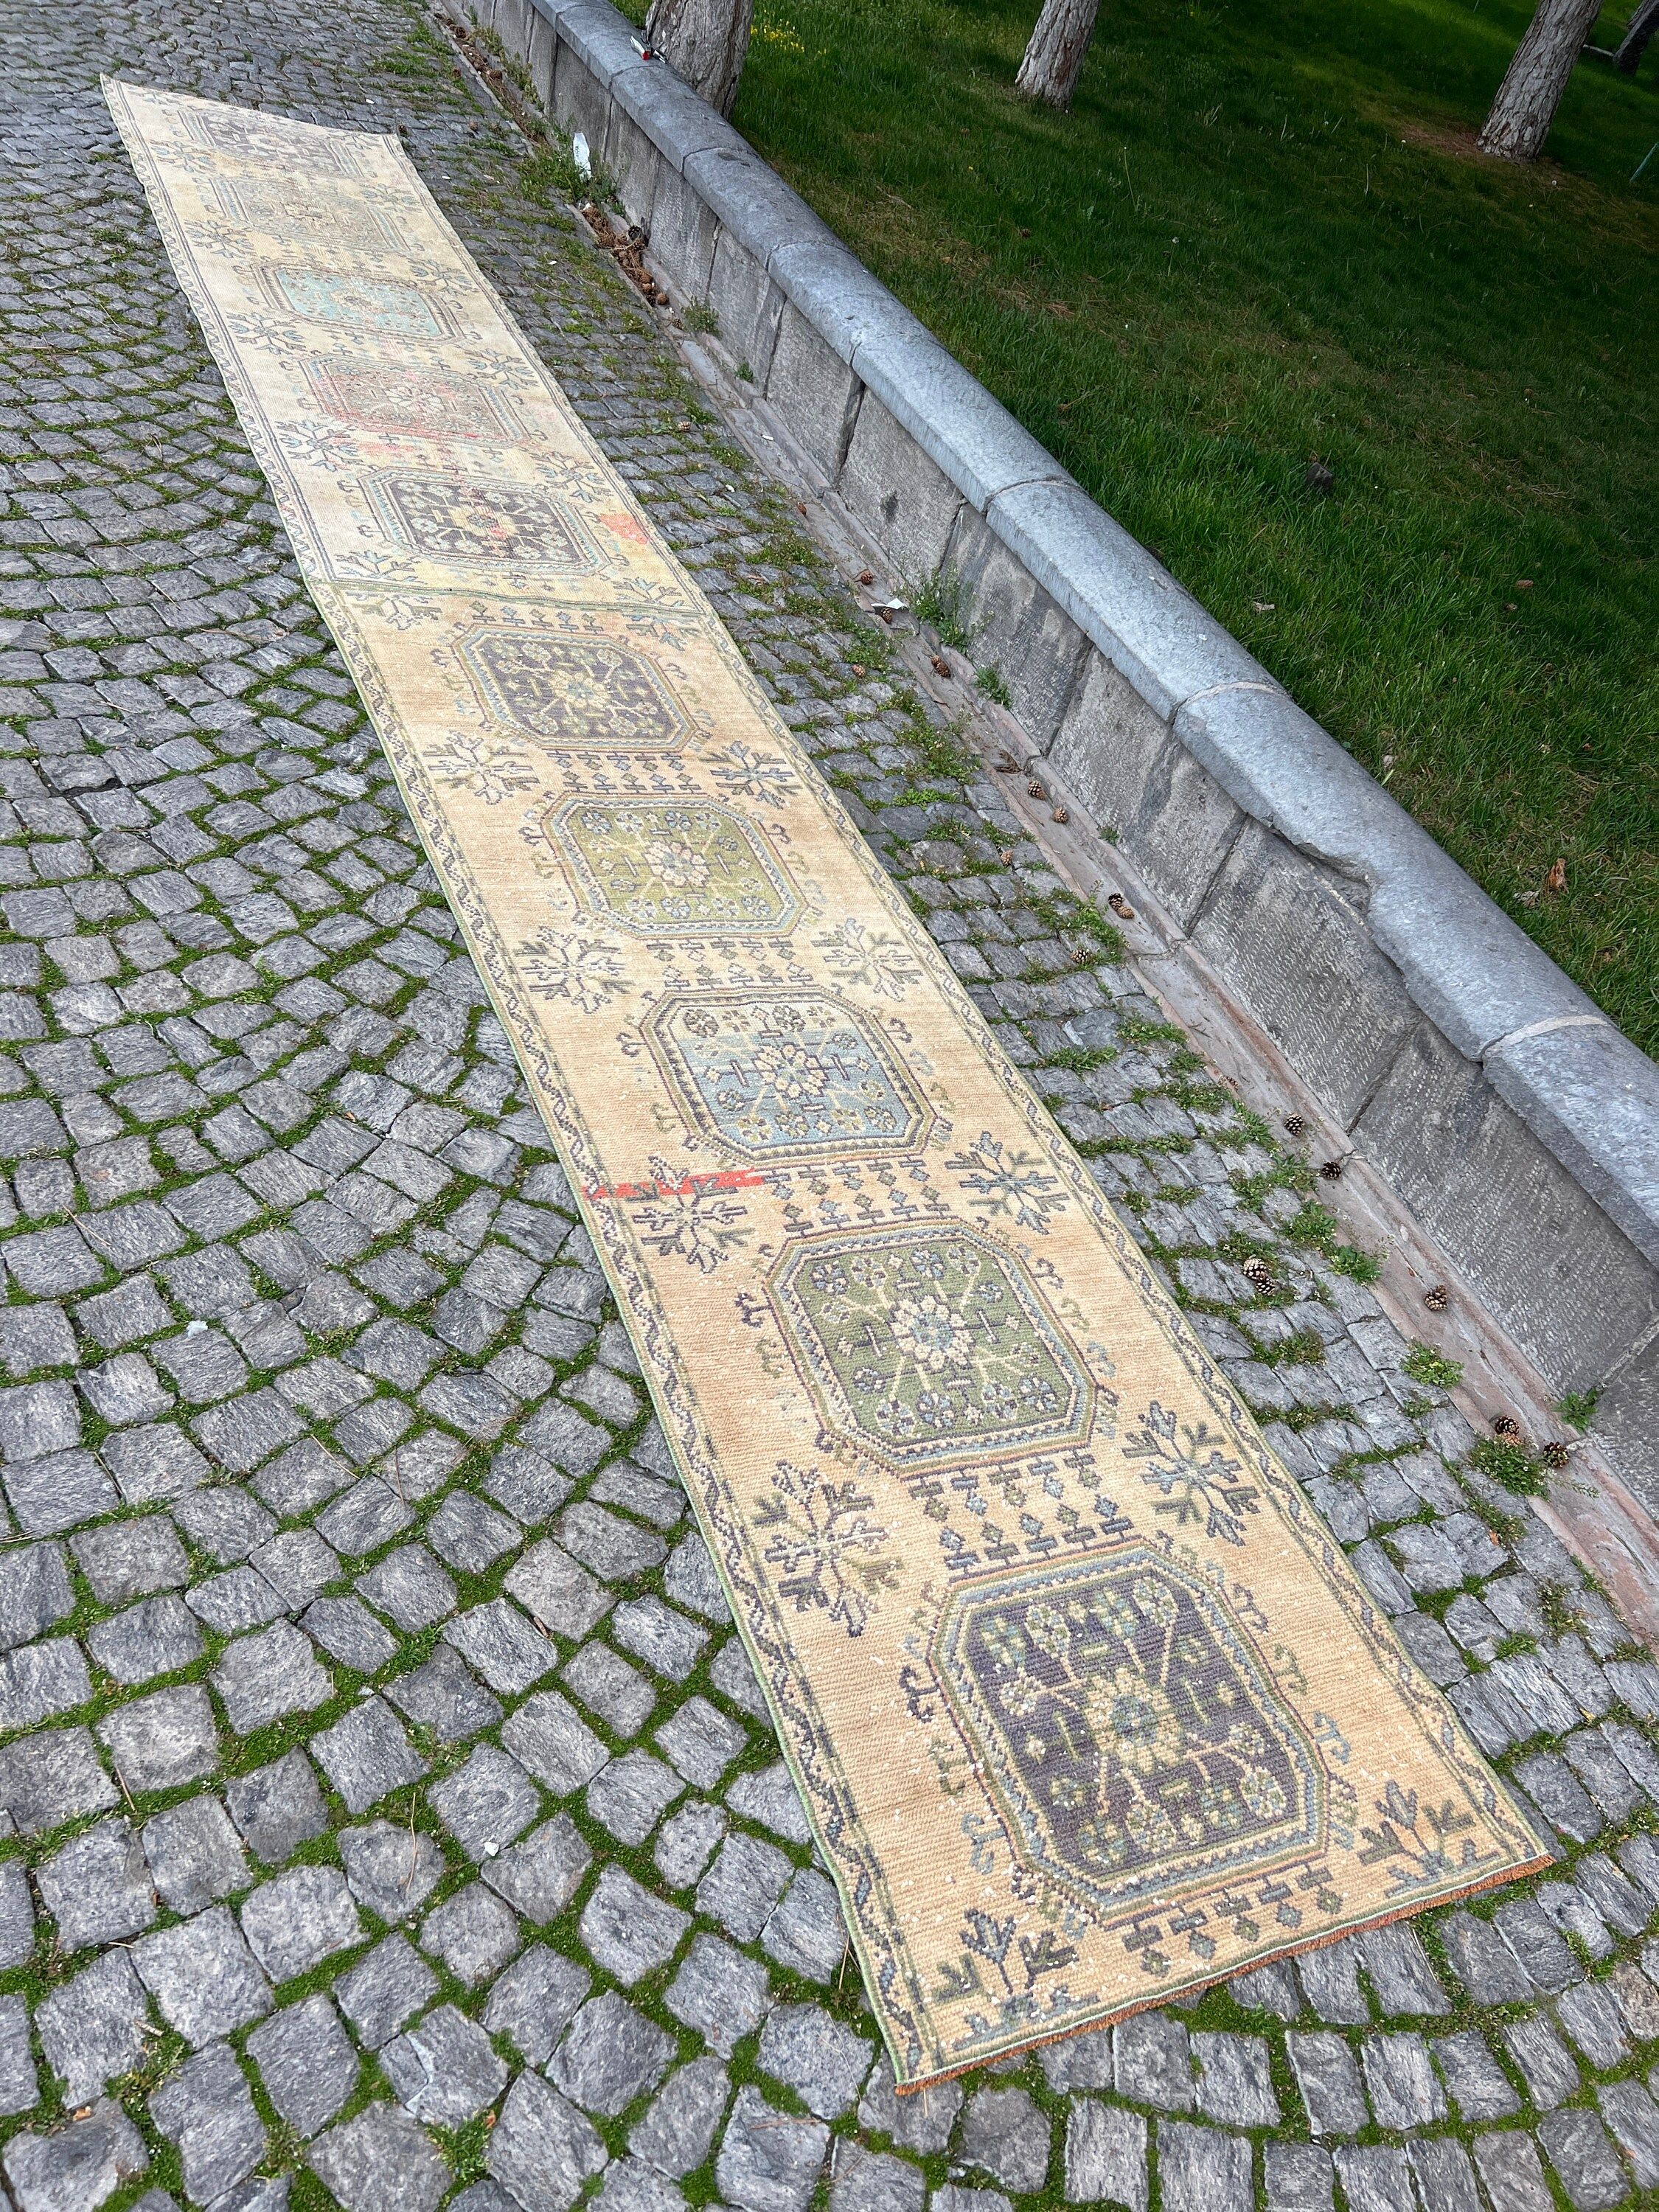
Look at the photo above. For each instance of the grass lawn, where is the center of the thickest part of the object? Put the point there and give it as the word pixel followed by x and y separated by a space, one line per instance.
pixel 1262 235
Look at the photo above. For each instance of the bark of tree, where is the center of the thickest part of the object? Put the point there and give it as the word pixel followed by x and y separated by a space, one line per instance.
pixel 1641 28
pixel 1054 56
pixel 1535 81
pixel 704 42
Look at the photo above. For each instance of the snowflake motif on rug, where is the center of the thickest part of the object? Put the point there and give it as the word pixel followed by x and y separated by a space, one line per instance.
pixel 562 691
pixel 665 868
pixel 1009 1181
pixel 742 773
pixel 573 964
pixel 424 402
pixel 830 1553
pixel 482 521
pixel 267 143
pixel 492 768
pixel 1200 1483
pixel 312 447
pixel 869 960
pixel 275 333
pixel 690 1218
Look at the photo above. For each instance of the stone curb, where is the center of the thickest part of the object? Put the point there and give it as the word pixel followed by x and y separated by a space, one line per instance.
pixel 1513 1118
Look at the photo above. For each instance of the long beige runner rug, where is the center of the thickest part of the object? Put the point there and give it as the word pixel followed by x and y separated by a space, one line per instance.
pixel 1085 1705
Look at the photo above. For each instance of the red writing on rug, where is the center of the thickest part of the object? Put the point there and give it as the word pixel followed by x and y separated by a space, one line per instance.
pixel 690 1186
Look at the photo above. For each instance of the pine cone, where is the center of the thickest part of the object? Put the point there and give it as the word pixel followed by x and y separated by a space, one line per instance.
pixel 1557 1453
pixel 1506 1429
pixel 1331 1171
pixel 1259 1272
pixel 1295 1126
pixel 1437 1299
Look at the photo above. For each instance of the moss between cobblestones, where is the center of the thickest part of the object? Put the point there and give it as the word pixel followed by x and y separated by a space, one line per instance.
pixel 827 665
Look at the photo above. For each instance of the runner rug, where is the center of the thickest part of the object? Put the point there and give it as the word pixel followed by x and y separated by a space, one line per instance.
pixel 1085 1705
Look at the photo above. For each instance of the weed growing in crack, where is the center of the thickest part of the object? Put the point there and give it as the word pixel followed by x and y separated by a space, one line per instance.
pixel 1512 1467
pixel 1431 1368
pixel 938 603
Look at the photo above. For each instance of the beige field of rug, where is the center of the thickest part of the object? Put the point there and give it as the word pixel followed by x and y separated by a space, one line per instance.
pixel 1084 1703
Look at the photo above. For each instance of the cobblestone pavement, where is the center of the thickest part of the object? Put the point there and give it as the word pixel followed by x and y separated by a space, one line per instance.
pixel 390 1809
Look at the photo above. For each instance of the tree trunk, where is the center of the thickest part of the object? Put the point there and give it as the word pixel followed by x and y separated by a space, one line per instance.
pixel 1055 57
pixel 704 42
pixel 1642 26
pixel 1535 81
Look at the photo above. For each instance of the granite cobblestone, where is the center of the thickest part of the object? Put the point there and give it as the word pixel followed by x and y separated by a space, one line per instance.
pixel 386 1797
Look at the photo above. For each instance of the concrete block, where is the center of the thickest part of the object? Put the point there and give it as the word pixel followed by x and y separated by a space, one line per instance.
pixel 1593 1097
pixel 1475 974
pixel 903 499
pixel 633 161
pixel 677 123
pixel 544 45
pixel 581 100
pixel 1289 938
pixel 815 393
pixel 1016 625
pixel 1126 603
pixel 753 203
pixel 685 232
pixel 1171 817
pixel 601 38
pixel 1543 1255
pixel 512 24
pixel 1627 1422
pixel 836 293
pixel 952 418
pixel 548 11
pixel 749 304
pixel 970 435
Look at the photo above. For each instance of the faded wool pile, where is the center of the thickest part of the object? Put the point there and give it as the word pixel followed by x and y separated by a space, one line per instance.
pixel 1083 1701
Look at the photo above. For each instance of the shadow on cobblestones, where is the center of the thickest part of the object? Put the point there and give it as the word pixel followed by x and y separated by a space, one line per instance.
pixel 389 1810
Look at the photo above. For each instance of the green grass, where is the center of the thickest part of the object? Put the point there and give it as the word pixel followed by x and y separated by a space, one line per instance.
pixel 1262 237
